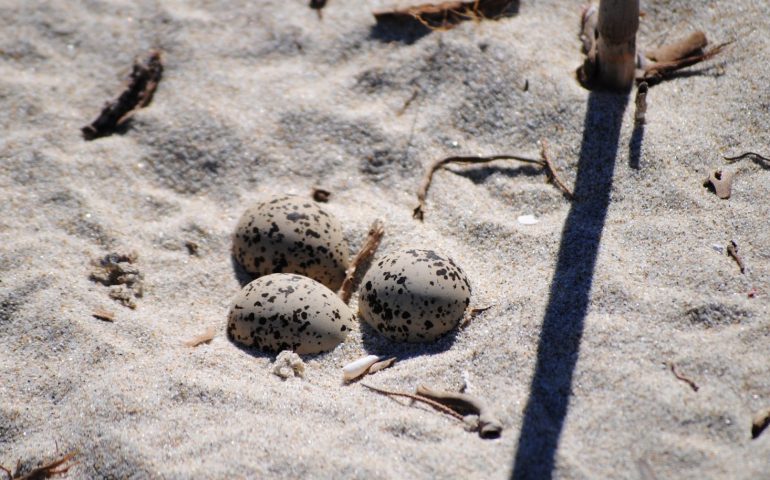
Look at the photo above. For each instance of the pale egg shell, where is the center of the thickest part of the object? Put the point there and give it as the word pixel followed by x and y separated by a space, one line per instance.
pixel 414 295
pixel 285 311
pixel 291 234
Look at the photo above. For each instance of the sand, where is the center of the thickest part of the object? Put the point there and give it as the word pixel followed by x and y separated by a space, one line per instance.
pixel 588 307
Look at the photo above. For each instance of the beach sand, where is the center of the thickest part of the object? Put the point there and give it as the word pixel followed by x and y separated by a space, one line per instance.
pixel 589 307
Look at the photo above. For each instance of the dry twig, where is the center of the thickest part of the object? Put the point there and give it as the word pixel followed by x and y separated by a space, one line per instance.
pixel 545 162
pixel 376 231
pixel 681 377
pixel 732 251
pixel 45 471
pixel 137 94
pixel 417 398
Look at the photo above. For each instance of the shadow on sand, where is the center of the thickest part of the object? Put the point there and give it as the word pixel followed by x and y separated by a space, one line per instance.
pixel 565 314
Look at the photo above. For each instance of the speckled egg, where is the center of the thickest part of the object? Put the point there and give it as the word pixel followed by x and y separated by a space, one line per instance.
pixel 414 295
pixel 284 311
pixel 291 234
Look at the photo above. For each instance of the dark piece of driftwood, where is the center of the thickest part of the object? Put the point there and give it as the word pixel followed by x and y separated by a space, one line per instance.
pixel 137 94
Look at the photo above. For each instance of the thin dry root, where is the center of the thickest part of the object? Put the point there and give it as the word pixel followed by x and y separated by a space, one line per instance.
pixel 376 231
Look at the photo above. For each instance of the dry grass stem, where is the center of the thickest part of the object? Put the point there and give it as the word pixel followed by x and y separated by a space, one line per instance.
pixel 376 231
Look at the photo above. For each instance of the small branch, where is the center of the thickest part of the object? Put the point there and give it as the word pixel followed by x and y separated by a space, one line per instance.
pixel 376 231
pixel 545 162
pixel 417 398
pixel 681 377
pixel 732 251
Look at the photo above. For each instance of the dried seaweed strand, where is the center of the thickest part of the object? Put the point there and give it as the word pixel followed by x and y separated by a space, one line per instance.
pixel 681 377
pixel 376 231
pixel 747 154
pixel 422 193
pixel 418 398
pixel 45 471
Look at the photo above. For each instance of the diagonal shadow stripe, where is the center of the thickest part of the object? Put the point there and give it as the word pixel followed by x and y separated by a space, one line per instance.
pixel 565 314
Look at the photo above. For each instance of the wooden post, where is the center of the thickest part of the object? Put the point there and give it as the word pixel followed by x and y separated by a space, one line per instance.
pixel 616 44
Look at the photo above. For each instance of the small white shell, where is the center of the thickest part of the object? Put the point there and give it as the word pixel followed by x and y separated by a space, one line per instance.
pixel 527 219
pixel 359 367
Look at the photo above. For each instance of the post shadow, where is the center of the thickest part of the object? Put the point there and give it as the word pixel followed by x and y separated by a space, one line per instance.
pixel 565 314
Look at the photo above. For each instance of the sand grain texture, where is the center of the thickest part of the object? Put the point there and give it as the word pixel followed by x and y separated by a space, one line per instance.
pixel 263 98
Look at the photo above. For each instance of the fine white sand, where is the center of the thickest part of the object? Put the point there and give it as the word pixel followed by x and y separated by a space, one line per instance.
pixel 262 98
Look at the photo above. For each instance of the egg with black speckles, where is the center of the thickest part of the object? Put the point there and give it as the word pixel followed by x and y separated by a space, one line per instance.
pixel 284 311
pixel 291 234
pixel 414 295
